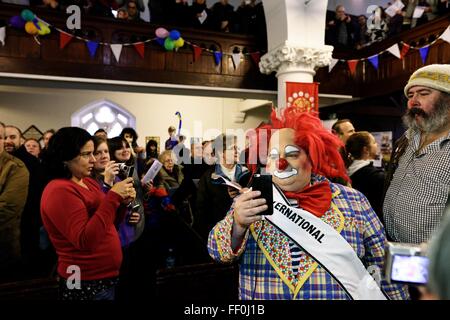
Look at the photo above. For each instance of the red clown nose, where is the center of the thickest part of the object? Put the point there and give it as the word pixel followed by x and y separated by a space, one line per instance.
pixel 281 164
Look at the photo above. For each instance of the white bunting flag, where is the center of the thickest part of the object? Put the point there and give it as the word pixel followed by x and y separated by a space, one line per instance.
pixel 2 35
pixel 236 59
pixel 117 50
pixel 446 35
pixel 394 50
pixel 332 64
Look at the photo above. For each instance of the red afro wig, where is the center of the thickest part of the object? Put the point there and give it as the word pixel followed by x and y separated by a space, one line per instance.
pixel 321 146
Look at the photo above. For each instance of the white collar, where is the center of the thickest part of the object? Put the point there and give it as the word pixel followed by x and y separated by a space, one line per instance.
pixel 356 165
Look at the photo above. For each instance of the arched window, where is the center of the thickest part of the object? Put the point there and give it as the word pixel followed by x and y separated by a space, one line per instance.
pixel 103 114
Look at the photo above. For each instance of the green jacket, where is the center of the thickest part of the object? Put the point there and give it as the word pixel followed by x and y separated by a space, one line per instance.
pixel 14 179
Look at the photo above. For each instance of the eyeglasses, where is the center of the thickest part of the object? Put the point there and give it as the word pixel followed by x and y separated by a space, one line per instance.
pixel 87 155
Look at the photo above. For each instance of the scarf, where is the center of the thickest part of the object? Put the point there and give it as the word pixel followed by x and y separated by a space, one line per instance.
pixel 315 199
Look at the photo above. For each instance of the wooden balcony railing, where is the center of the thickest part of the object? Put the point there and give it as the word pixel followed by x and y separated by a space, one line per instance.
pixel 392 73
pixel 21 54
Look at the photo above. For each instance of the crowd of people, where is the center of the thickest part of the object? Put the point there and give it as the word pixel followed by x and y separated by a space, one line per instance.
pixel 343 31
pixel 348 32
pixel 79 202
pixel 247 18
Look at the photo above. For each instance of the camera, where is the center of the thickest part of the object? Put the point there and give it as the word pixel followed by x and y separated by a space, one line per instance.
pixel 125 170
pixel 406 263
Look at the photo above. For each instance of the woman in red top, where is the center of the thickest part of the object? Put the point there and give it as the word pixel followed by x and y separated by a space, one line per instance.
pixel 79 218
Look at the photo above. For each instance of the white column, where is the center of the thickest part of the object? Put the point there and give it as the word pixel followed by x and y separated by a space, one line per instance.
pixel 296 34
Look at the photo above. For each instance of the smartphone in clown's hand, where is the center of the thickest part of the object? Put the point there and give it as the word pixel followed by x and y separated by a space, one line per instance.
pixel 263 183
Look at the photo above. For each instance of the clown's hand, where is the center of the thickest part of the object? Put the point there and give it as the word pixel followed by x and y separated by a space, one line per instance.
pixel 246 210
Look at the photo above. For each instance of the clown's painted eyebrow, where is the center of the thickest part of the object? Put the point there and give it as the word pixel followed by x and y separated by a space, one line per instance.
pixel 274 152
pixel 291 149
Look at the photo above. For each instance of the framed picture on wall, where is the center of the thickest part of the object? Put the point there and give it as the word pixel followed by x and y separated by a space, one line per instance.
pixel 32 132
pixel 156 138
pixel 384 141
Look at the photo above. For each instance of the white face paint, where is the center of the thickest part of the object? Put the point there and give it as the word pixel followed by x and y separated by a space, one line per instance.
pixel 297 172
pixel 285 174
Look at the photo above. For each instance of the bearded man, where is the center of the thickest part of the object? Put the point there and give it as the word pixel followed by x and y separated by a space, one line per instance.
pixel 323 240
pixel 415 201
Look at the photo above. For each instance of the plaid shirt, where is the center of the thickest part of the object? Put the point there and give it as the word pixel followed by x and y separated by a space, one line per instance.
pixel 415 201
pixel 266 270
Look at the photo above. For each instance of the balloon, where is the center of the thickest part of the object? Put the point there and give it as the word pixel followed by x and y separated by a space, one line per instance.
pixel 27 15
pixel 169 44
pixel 179 43
pixel 44 29
pixel 35 21
pixel 160 41
pixel 31 28
pixel 17 22
pixel 174 35
pixel 161 33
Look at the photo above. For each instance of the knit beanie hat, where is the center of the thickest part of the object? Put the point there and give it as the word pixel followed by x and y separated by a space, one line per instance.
pixel 435 76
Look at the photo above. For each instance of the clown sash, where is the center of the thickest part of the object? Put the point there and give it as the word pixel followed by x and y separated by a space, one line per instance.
pixel 325 245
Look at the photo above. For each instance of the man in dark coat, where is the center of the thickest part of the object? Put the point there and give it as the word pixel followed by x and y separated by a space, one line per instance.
pixel 13 193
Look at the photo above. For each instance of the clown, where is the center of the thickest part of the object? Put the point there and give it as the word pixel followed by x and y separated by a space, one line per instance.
pixel 322 238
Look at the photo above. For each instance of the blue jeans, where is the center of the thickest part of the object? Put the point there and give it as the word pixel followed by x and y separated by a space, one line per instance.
pixel 107 294
pixel 94 290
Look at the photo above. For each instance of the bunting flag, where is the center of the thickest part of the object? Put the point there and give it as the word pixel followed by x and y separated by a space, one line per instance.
pixel 2 35
pixel 236 59
pixel 374 61
pixel 117 50
pixel 352 66
pixel 304 96
pixel 64 39
pixel 197 52
pixel 140 48
pixel 256 56
pixel 160 41
pixel 446 35
pixel 332 64
pixel 217 57
pixel 92 46
pixel 424 53
pixel 394 50
pixel 405 49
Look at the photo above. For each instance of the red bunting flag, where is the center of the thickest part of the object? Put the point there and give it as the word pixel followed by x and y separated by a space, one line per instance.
pixel 405 49
pixel 304 96
pixel 197 52
pixel 64 39
pixel 140 48
pixel 256 56
pixel 352 66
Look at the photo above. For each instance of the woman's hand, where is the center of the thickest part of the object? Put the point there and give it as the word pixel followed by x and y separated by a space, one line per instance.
pixel 147 186
pixel 134 218
pixel 111 170
pixel 125 189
